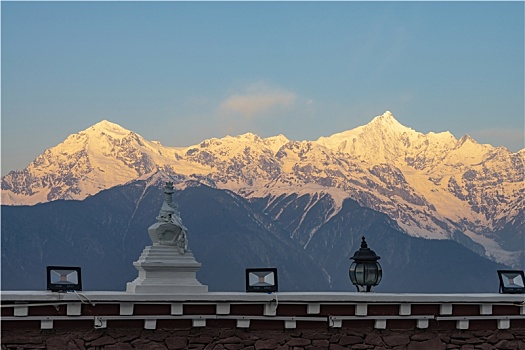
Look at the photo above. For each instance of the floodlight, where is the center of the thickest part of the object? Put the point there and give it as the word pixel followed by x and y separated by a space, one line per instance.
pixel 511 281
pixel 63 278
pixel 263 280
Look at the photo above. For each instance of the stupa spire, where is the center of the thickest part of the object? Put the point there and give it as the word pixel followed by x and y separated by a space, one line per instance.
pixel 168 266
pixel 169 229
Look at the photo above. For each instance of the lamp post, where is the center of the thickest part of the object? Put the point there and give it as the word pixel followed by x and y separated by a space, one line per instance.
pixel 365 272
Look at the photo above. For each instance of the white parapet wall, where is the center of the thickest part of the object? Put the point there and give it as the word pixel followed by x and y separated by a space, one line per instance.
pixel 379 308
pixel 302 297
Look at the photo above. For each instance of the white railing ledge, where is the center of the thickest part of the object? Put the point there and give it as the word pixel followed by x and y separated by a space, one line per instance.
pixel 241 297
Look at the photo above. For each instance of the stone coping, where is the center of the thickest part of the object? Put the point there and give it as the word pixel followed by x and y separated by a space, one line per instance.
pixel 236 297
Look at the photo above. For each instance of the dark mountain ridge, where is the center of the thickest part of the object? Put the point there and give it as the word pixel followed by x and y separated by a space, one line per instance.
pixel 105 234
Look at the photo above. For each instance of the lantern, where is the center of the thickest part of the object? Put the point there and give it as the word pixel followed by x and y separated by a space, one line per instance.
pixel 365 272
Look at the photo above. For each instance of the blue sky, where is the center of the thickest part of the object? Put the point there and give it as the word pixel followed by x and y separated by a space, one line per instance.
pixel 182 72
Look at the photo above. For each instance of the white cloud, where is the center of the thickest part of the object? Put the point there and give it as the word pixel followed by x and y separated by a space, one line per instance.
pixel 257 100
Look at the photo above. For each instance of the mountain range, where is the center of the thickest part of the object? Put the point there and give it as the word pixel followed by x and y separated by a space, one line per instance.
pixel 432 186
pixel 105 233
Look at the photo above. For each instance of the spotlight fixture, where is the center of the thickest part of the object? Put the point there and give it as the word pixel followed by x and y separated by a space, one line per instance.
pixel 262 280
pixel 511 281
pixel 63 278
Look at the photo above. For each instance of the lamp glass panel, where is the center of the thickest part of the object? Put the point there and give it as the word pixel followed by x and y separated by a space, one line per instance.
pixel 512 280
pixel 372 273
pixel 261 278
pixel 379 274
pixel 357 273
pixel 352 273
pixel 365 273
pixel 64 276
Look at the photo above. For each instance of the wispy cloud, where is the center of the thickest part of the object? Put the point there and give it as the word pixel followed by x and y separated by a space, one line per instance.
pixel 257 100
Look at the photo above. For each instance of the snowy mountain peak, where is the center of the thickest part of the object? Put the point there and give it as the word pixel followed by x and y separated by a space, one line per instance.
pixel 466 138
pixel 387 117
pixel 274 143
pixel 388 122
pixel 249 137
pixel 107 127
pixel 383 140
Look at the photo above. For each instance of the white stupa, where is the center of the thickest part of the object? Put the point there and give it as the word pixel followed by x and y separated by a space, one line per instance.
pixel 167 266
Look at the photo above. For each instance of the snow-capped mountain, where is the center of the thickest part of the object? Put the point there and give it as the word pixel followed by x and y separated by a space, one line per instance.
pixel 228 233
pixel 433 185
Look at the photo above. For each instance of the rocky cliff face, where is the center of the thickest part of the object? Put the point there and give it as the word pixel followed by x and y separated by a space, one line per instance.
pixel 433 185
pixel 298 234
